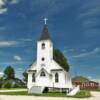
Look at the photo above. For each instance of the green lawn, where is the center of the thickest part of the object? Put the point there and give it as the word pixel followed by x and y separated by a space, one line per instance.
pixel 81 94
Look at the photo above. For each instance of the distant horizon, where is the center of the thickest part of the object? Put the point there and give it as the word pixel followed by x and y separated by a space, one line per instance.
pixel 73 26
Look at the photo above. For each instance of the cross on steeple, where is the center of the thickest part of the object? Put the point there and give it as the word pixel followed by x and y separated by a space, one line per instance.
pixel 45 20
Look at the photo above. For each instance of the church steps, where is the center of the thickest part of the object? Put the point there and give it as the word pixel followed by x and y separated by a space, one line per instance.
pixel 36 89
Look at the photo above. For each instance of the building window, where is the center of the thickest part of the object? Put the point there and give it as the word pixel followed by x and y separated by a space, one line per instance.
pixel 43 45
pixel 42 74
pixel 56 78
pixel 43 59
pixel 33 77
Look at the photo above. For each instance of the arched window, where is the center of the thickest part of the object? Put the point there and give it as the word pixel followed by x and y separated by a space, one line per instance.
pixel 43 45
pixel 33 77
pixel 56 78
pixel 42 74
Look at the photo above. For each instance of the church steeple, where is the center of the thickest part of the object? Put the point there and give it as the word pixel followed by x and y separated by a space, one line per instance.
pixel 45 32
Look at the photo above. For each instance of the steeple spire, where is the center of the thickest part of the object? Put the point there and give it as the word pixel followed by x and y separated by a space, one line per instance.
pixel 45 33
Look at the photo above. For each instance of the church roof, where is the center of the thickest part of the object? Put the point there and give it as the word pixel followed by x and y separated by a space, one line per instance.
pixel 45 33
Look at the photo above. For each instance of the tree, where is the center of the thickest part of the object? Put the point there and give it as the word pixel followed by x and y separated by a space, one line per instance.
pixel 59 57
pixel 25 76
pixel 80 78
pixel 9 73
pixel 1 82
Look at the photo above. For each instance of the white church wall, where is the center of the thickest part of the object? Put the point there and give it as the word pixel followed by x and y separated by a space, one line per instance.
pixel 68 80
pixel 61 83
pixel 46 53
pixel 50 81
pixel 29 85
pixel 43 81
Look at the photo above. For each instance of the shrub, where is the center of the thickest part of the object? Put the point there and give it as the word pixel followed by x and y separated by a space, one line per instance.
pixel 82 94
pixel 7 84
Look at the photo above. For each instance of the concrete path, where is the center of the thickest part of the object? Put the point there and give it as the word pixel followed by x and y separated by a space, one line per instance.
pixel 13 90
pixel 95 96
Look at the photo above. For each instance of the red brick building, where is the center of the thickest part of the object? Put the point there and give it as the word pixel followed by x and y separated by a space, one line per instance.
pixel 85 83
pixel 91 85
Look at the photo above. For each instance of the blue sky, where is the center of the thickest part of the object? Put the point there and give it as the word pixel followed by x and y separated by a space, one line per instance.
pixel 74 26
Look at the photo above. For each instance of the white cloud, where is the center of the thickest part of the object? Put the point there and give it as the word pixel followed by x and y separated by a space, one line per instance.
pixel 14 1
pixel 2 28
pixel 15 62
pixel 94 51
pixel 26 39
pixel 14 43
pixel 52 6
pixel 71 50
pixel 89 18
pixel 18 58
pixel 3 3
pixel 90 23
pixel 90 9
pixel 89 77
pixel 7 43
pixel 68 50
pixel 83 50
pixel 65 51
pixel 2 9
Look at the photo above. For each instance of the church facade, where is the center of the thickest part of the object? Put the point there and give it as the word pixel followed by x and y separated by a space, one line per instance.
pixel 45 72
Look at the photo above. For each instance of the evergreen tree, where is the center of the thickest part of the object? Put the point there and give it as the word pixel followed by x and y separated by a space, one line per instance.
pixel 25 75
pixel 59 57
pixel 9 72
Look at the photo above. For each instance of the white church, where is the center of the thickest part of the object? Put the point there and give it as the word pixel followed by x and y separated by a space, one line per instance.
pixel 45 72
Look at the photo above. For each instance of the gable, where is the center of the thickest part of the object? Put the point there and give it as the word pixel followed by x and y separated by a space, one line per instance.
pixel 55 65
pixel 39 72
pixel 32 66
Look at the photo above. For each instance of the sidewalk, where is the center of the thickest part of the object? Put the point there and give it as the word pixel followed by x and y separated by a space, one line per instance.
pixel 13 90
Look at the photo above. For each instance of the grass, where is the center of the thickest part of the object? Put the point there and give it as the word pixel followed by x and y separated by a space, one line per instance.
pixel 14 93
pixel 81 94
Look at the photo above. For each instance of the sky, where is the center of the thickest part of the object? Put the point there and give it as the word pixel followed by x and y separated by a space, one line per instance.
pixel 74 27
